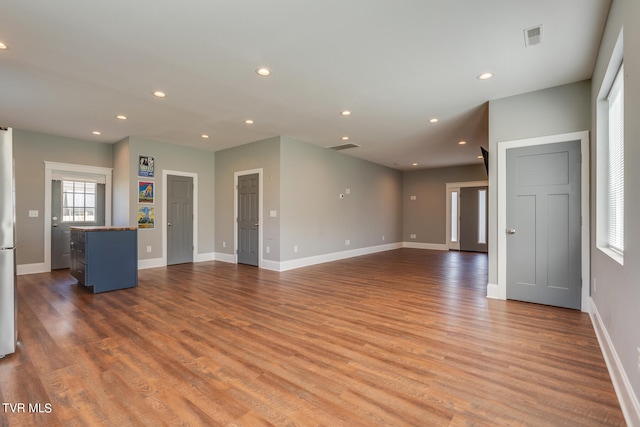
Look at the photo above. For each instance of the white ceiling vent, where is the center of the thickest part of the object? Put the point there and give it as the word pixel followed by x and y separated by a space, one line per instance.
pixel 344 147
pixel 533 36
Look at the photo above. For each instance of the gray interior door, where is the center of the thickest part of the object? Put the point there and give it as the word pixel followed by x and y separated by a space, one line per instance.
pixel 543 224
pixel 179 219
pixel 248 195
pixel 60 233
pixel 473 236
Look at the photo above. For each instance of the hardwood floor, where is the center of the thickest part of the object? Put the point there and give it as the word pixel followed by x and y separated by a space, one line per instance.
pixel 400 338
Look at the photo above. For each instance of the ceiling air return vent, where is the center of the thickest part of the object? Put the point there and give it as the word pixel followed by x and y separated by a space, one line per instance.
pixel 533 36
pixel 344 147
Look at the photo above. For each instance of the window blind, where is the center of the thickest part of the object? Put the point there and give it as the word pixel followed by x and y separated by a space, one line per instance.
pixel 616 163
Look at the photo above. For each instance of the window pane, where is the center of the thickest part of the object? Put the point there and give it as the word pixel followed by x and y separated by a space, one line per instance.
pixel 78 200
pixel 90 187
pixel 616 164
pixel 90 215
pixel 78 187
pixel 454 216
pixel 90 200
pixel 482 216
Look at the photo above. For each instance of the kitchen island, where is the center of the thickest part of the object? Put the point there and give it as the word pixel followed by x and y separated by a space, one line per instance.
pixel 105 258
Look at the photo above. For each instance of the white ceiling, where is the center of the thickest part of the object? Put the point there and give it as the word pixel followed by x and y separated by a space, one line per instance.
pixel 73 65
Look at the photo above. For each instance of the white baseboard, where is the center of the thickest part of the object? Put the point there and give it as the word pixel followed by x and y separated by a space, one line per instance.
pixel 219 256
pixel 430 246
pixel 269 264
pixel 335 256
pixel 23 269
pixel 209 256
pixel 150 263
pixel 628 400
pixel 493 291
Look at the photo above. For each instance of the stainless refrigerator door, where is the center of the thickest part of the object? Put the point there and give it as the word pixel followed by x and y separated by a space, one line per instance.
pixel 7 239
pixel 8 295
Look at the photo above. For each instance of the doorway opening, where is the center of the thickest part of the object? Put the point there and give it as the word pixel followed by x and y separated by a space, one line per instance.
pixel 55 171
pixel 467 206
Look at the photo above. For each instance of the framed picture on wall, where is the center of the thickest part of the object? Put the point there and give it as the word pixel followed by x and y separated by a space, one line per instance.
pixel 146 166
pixel 146 190
pixel 146 217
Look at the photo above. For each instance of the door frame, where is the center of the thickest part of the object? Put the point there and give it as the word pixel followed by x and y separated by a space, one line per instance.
pixel 499 291
pixel 165 174
pixel 49 169
pixel 456 186
pixel 237 175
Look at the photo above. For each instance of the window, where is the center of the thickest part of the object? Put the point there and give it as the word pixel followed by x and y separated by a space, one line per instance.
pixel 615 176
pixel 454 216
pixel 482 217
pixel 78 201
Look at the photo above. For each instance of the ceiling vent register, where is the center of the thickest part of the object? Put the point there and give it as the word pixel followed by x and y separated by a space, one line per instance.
pixel 533 36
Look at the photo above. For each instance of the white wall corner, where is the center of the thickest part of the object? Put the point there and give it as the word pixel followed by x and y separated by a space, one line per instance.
pixel 628 400
pixel 335 256
pixel 268 264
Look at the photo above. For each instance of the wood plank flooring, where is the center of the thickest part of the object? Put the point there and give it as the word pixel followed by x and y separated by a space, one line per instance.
pixel 400 338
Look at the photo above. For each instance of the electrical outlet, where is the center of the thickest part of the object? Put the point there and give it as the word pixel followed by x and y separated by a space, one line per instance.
pixel 224 244
pixel 638 358
pixel 413 236
pixel 268 249
pixel 594 285
pixel 347 242
pixel 295 248
pixel 347 191
pixel 383 237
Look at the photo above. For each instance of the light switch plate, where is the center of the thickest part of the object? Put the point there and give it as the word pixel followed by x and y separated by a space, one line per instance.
pixel 33 214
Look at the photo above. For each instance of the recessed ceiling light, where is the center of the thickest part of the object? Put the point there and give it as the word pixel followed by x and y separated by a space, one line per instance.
pixel 204 135
pixel 3 46
pixel 414 164
pixel 95 132
pixel 345 138
pixel 485 76
pixel 462 142
pixel 121 117
pixel 159 94
pixel 263 71
pixel 249 121
pixel 433 120
pixel 346 113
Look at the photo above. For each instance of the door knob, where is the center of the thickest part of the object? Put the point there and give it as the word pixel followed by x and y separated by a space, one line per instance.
pixel 169 224
pixel 256 224
pixel 55 225
pixel 511 231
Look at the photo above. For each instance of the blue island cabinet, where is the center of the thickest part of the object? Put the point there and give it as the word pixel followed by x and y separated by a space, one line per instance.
pixel 105 258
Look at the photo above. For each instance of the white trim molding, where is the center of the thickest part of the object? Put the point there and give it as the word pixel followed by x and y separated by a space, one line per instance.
pixel 627 398
pixel 500 291
pixel 456 186
pixel 335 256
pixel 165 174
pixel 428 246
pixel 54 167
pixel 236 175
pixel 22 269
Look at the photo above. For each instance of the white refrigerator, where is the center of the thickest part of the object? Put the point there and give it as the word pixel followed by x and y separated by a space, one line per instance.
pixel 8 292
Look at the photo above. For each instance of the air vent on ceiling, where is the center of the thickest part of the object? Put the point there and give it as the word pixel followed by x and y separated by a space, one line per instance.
pixel 344 146
pixel 533 36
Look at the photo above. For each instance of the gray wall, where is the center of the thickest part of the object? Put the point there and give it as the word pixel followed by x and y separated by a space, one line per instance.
pixel 551 111
pixel 263 154
pixel 121 183
pixel 31 150
pixel 317 220
pixel 426 215
pixel 174 158
pixel 617 294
